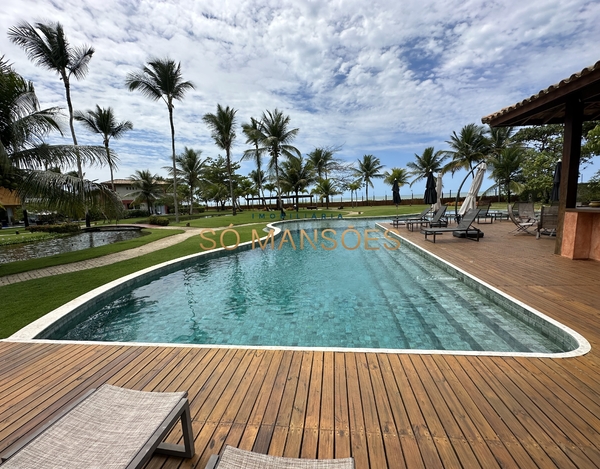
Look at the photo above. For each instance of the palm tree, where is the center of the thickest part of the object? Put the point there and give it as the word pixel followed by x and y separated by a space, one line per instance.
pixel 222 128
pixel 190 169
pixel 430 161
pixel 252 133
pixel 25 158
pixel 296 175
pixel 506 168
pixel 161 79
pixel 353 187
pixel 325 188
pixel 499 138
pixel 257 177
pixel 146 188
pixel 396 174
pixel 46 45
pixel 275 138
pixel 102 121
pixel 323 161
pixel 368 169
pixel 467 149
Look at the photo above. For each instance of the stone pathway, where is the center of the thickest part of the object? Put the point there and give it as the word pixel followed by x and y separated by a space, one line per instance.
pixel 104 260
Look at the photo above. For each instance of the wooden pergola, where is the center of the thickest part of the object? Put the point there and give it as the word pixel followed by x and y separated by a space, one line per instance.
pixel 570 102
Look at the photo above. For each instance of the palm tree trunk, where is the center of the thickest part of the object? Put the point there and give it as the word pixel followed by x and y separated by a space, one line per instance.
pixel 110 166
pixel 367 193
pixel 72 127
pixel 230 181
pixel 278 185
pixel 174 167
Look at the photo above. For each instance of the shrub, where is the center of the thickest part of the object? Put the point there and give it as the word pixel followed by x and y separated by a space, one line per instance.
pixel 160 221
pixel 135 213
pixel 63 228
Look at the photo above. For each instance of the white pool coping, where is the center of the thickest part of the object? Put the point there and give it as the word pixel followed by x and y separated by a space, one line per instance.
pixel 63 314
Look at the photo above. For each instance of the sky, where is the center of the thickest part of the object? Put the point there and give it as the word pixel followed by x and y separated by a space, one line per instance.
pixel 387 78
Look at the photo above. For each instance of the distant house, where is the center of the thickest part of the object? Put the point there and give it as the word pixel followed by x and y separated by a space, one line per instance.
pixel 124 188
pixel 11 203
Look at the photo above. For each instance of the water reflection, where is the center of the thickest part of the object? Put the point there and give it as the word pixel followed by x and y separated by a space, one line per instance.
pixel 51 247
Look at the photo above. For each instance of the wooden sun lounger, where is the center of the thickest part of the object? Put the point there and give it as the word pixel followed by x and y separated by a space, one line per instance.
pixel 234 458
pixel 464 227
pixel 108 427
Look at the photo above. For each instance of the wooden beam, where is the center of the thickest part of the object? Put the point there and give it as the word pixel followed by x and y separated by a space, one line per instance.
pixel 570 163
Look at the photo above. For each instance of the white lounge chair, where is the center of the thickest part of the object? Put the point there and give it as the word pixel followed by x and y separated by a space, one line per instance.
pixel 108 428
pixel 234 458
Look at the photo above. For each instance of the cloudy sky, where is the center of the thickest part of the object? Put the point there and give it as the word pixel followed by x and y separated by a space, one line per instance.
pixel 387 77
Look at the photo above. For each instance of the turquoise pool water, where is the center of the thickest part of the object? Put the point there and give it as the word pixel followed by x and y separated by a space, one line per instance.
pixel 354 298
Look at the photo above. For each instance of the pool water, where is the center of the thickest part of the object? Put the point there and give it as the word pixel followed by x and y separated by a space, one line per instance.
pixel 361 298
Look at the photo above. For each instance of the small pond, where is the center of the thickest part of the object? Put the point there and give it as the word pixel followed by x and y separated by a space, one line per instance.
pixel 51 247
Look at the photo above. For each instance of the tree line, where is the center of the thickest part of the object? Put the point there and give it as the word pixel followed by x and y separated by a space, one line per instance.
pixel 521 162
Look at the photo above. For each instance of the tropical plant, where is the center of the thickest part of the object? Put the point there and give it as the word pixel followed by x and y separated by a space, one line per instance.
pixel 161 79
pixel 275 140
pixel 222 128
pixel 46 45
pixel 258 177
pixel 369 168
pixel 354 187
pixel 147 188
pixel 430 161
pixel 396 174
pixel 25 158
pixel 296 175
pixel 325 188
pixel 468 148
pixel 323 161
pixel 252 133
pixel 506 169
pixel 190 169
pixel 102 121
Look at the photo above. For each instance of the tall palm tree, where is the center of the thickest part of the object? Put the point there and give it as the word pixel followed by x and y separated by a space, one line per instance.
pixel 499 138
pixel 146 188
pixel 353 187
pixel 275 139
pixel 258 177
pixel 506 168
pixel 46 45
pixel 24 157
pixel 467 148
pixel 296 175
pixel 190 170
pixel 325 188
pixel 369 168
pixel 102 121
pixel 222 128
pixel 161 79
pixel 430 161
pixel 323 161
pixel 253 134
pixel 396 174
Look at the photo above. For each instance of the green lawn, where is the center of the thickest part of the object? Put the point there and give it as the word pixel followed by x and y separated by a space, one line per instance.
pixel 85 254
pixel 25 302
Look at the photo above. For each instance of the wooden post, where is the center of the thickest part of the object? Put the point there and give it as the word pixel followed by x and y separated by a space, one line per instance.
pixel 570 163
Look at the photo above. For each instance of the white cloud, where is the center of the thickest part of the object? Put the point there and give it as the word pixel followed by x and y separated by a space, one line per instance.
pixel 387 77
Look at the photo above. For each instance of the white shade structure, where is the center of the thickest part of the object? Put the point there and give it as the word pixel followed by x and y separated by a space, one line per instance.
pixel 438 188
pixel 471 199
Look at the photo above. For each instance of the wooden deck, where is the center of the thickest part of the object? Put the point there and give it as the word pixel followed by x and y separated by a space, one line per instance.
pixel 386 410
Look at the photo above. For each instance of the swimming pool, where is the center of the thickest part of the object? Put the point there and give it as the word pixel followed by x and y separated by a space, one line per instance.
pixel 300 296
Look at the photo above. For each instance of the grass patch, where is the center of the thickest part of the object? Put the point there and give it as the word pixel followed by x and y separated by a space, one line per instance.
pixel 84 254
pixel 24 302
pixel 387 210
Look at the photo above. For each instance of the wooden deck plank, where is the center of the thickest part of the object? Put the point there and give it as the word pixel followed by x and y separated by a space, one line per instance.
pixel 296 428
pixel 326 425
pixel 343 447
pixel 310 437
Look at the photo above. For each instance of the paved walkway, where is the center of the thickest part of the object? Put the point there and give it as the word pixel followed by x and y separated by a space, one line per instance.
pixel 104 260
